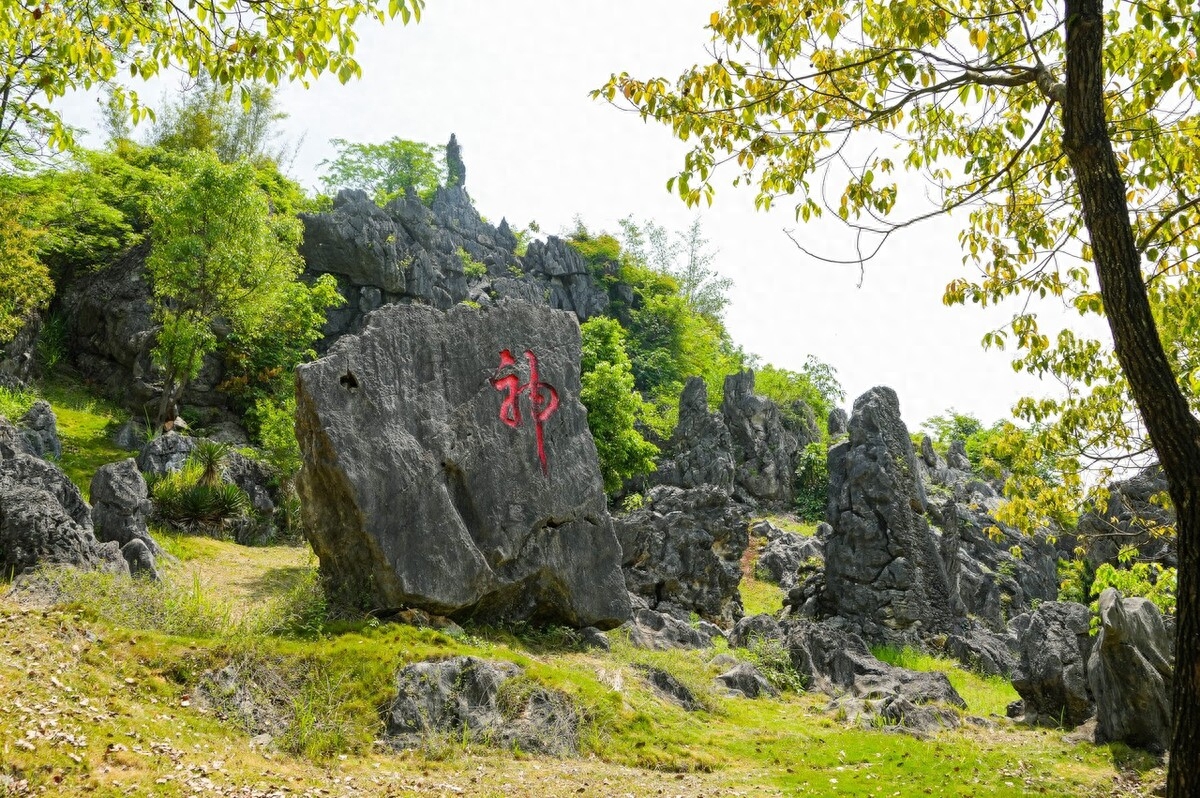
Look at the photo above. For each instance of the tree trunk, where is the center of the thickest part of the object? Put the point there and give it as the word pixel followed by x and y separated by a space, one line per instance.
pixel 1173 429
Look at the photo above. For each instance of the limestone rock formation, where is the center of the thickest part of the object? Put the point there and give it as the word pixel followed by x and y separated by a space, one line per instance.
pixel 1129 671
pixel 448 466
pixel 165 453
pixel 43 517
pixel 701 446
pixel 765 452
pixel 784 555
pixel 884 569
pixel 407 252
pixel 39 428
pixel 682 550
pixel 36 530
pixel 1132 517
pixel 747 681
pixel 121 505
pixel 464 697
pixel 833 661
pixel 1051 667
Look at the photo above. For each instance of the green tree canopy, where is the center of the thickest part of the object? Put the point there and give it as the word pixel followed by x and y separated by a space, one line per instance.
pixel 1063 134
pixel 613 404
pixel 219 254
pixel 47 50
pixel 387 170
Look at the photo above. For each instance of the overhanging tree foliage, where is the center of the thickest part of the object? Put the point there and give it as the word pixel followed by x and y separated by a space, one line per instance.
pixel 49 49
pixel 1064 133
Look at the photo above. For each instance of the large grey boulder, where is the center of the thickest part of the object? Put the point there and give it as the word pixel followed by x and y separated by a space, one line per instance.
pixel 681 552
pixel 34 472
pixel 39 428
pixel 1130 671
pixel 471 698
pixel 121 505
pixel 765 452
pixel 165 453
pixel 702 451
pixel 36 530
pixel 448 466
pixel 884 567
pixel 1051 667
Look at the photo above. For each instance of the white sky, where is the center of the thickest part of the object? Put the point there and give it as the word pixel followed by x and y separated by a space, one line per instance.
pixel 512 80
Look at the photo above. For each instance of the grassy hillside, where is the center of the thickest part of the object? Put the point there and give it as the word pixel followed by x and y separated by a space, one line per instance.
pixel 98 697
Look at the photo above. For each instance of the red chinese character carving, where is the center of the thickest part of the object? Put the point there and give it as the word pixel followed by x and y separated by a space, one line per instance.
pixel 543 396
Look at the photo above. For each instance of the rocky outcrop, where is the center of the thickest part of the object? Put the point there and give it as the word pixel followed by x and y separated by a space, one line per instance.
pixel 16 354
pixel 480 700
pixel 765 452
pixel 701 447
pixel 1130 671
pixel 121 505
pixel 658 631
pixel 165 453
pixel 1134 516
pixel 410 253
pixel 884 568
pixel 43 517
pixel 39 428
pixel 746 681
pixel 1051 665
pixel 785 554
pixel 681 552
pixel 448 466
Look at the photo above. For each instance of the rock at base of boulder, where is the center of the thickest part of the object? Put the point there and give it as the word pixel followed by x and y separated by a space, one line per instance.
pixel 1130 671
pixel 682 550
pixel 1051 664
pixel 121 505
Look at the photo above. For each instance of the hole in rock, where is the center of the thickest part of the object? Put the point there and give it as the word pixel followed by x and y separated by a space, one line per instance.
pixel 349 381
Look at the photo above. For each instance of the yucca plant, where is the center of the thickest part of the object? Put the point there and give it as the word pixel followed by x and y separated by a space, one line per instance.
pixel 196 498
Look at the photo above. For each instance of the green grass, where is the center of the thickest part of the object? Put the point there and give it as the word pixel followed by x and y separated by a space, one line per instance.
pixel 760 597
pixel 789 523
pixel 85 427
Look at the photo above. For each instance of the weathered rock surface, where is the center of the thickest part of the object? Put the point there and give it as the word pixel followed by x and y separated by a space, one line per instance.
pixel 1131 518
pixel 466 697
pixel 441 472
pixel 681 552
pixel 765 452
pixel 884 568
pixel 661 632
pixel 121 505
pixel 1130 671
pixel 746 680
pixel 139 559
pixel 34 472
pixel 671 689
pixel 36 530
pixel 39 428
pixel 702 451
pixel 407 252
pixel 1051 666
pixel 786 554
pixel 165 453
pixel 834 661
